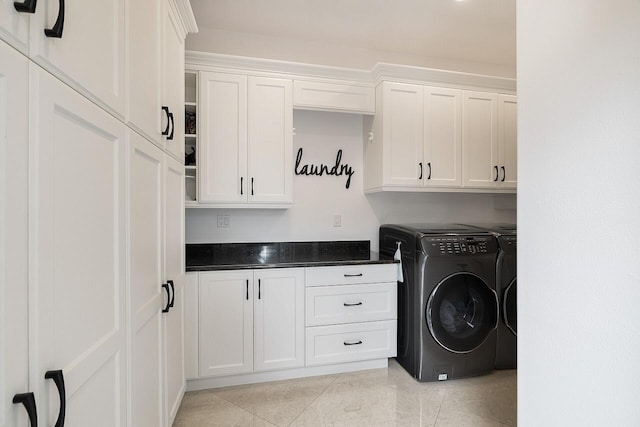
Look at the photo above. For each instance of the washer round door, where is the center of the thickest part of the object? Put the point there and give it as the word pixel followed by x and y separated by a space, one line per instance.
pixel 509 303
pixel 461 312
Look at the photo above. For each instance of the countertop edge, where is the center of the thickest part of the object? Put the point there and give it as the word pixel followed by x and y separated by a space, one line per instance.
pixel 195 269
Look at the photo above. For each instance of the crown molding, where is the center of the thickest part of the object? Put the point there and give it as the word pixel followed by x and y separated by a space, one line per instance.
pixel 186 16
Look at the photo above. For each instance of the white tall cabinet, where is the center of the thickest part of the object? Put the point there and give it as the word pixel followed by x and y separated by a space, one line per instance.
pixel 91 220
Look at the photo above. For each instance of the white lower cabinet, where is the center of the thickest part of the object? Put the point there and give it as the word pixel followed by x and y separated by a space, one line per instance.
pixel 250 320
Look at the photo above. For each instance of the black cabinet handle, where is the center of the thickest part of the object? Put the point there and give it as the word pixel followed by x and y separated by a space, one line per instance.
pixel 241 185
pixel 348 304
pixel 429 164
pixel 259 286
pixel 173 126
pixel 29 403
pixel 353 275
pixel 504 173
pixel 496 178
pixel 173 293
pixel 420 164
pixel 58 379
pixel 168 306
pixel 166 111
pixel 247 289
pixel 56 30
pixel 27 6
pixel 353 343
pixel 252 186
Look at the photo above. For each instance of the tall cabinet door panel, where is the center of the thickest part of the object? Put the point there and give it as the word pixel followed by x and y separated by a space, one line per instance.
pixel 14 322
pixel 508 140
pixel 222 161
pixel 226 323
pixel 279 318
pixel 443 137
pixel 144 29
pixel 14 26
pixel 173 82
pixel 146 298
pixel 90 55
pixel 174 270
pixel 402 125
pixel 270 140
pixel 480 139
pixel 77 255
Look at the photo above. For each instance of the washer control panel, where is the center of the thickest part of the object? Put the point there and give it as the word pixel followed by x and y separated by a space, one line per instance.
pixel 459 245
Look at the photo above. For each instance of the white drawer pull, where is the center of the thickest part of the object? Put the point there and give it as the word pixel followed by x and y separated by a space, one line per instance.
pixel 351 304
pixel 353 343
pixel 353 275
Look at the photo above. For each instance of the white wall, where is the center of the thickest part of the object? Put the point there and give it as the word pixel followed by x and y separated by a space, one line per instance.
pixel 318 199
pixel 286 49
pixel 579 212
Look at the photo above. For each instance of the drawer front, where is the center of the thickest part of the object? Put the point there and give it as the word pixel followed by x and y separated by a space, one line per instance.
pixel 331 305
pixel 351 342
pixel 350 274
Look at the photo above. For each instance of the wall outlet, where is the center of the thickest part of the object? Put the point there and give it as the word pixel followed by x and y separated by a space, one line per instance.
pixel 337 220
pixel 224 221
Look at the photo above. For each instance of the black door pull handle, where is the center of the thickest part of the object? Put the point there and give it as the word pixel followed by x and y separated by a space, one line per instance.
pixel 241 185
pixel 353 275
pixel 58 379
pixel 247 289
pixel 27 6
pixel 29 403
pixel 165 132
pixel 420 164
pixel 56 30
pixel 353 343
pixel 259 289
pixel 252 186
pixel 173 293
pixel 429 164
pixel 352 304
pixel 173 126
pixel 496 169
pixel 166 309
pixel 504 173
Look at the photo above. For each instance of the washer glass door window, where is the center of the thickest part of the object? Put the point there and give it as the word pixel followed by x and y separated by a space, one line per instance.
pixel 509 301
pixel 461 312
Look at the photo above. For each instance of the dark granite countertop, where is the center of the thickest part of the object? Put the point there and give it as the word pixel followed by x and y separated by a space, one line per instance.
pixel 235 256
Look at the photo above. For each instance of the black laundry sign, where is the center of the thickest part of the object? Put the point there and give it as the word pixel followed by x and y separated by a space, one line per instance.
pixel 338 169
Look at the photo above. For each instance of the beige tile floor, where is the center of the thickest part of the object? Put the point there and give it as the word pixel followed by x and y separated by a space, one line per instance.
pixel 379 397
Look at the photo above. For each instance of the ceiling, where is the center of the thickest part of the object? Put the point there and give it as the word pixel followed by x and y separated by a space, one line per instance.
pixel 471 30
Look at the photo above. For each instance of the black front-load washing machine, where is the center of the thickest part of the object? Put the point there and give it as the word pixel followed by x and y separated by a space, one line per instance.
pixel 506 287
pixel 447 305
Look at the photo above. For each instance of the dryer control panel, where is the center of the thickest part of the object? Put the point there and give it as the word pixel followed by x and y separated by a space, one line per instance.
pixel 459 245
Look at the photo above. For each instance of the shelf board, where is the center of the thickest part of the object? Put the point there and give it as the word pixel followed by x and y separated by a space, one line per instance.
pixel 190 104
pixel 191 167
pixel 190 135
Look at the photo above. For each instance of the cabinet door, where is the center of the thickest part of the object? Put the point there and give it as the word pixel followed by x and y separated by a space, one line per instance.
pixel 403 134
pixel 226 323
pixel 222 161
pixel 442 137
pixel 508 140
pixel 480 139
pixel 14 26
pixel 77 255
pixel 173 93
pixel 144 29
pixel 279 318
pixel 90 56
pixel 191 325
pixel 174 270
pixel 146 297
pixel 270 140
pixel 14 322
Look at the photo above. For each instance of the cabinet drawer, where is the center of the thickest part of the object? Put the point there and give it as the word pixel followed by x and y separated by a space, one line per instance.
pixel 351 342
pixel 330 305
pixel 349 274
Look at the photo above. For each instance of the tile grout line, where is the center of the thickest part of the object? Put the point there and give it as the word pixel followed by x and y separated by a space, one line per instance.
pixel 317 397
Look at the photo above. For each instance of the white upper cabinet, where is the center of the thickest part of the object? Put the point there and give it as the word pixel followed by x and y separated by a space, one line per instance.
pixel 14 287
pixel 442 137
pixel 246 141
pixel 14 24
pixel 78 256
pixel 508 140
pixel 88 51
pixel 402 134
pixel 223 138
pixel 480 139
pixel 173 83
